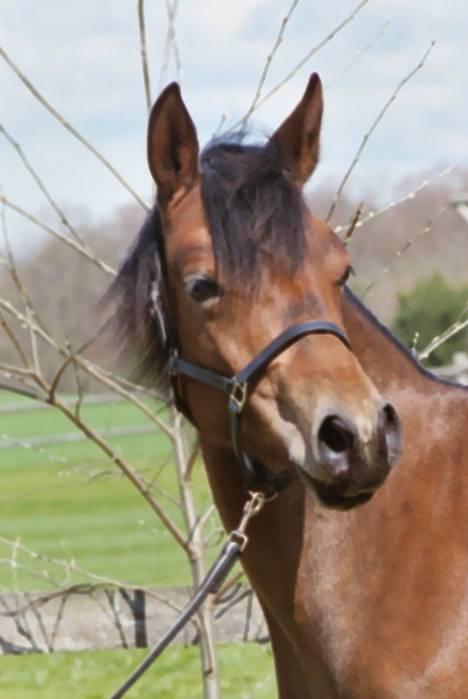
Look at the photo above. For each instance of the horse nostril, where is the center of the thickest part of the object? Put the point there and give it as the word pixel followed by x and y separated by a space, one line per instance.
pixel 390 428
pixel 336 434
pixel 335 440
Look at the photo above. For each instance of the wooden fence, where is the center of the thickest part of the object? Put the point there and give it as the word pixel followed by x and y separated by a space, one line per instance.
pixel 82 619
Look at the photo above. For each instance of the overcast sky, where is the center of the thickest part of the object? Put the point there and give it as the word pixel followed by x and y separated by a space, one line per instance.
pixel 84 57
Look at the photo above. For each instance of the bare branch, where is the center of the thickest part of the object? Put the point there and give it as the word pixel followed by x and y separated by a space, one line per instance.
pixel 373 127
pixel 60 213
pixel 192 459
pixel 99 581
pixel 408 197
pixel 106 380
pixel 143 52
pixel 358 56
pixel 439 340
pixel 268 62
pixel 14 340
pixel 60 236
pixel 126 469
pixel 197 561
pixel 102 377
pixel 41 99
pixel 30 312
pixel 22 392
pixel 41 332
pixel 306 58
pixel 175 50
pixel 409 243
pixel 172 8
pixel 353 223
pixel 12 370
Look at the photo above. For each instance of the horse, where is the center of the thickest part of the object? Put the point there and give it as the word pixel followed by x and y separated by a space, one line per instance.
pixel 360 561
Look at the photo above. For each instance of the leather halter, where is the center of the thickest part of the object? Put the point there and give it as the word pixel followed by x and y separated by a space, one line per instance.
pixel 254 474
pixel 237 387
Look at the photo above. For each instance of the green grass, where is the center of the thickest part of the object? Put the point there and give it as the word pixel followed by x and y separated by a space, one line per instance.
pixel 246 673
pixel 69 501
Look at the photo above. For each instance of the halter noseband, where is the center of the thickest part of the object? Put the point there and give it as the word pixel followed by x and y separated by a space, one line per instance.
pixel 237 386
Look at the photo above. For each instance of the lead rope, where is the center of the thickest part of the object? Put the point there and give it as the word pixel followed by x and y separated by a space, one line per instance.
pixel 228 557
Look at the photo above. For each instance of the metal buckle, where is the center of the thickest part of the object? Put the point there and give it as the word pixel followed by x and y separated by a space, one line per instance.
pixel 252 507
pixel 238 396
pixel 239 538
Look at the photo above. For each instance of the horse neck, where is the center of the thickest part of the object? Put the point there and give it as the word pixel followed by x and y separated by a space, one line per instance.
pixel 434 413
pixel 390 366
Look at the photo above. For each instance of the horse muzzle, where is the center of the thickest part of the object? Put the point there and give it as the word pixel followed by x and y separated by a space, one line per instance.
pixel 348 467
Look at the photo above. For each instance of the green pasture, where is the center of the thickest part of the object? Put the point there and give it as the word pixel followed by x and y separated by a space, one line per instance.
pixel 246 673
pixel 69 502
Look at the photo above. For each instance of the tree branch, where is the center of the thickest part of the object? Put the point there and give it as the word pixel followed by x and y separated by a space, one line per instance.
pixel 66 125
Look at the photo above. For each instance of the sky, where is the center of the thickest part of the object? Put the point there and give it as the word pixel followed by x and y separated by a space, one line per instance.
pixel 84 57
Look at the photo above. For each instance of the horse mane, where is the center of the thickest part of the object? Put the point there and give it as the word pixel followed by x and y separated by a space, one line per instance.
pixel 252 209
pixel 135 327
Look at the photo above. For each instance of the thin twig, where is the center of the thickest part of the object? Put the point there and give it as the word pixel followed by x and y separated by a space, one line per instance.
pixel 60 236
pixel 144 54
pixel 126 469
pixel 439 340
pixel 33 395
pixel 105 378
pixel 14 340
pixel 305 59
pixel 409 243
pixel 71 567
pixel 30 315
pixel 407 197
pixel 172 8
pixel 192 459
pixel 13 370
pixel 34 174
pixel 30 311
pixel 358 56
pixel 175 50
pixel 14 274
pixel 268 62
pixel 353 223
pixel 35 92
pixel 373 127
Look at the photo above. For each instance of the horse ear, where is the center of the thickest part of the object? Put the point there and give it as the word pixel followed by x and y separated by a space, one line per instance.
pixel 172 144
pixel 298 137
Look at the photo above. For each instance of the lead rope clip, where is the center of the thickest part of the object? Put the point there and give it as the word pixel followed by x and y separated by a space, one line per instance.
pixel 252 507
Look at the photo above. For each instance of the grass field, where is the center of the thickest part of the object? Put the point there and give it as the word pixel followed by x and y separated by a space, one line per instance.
pixel 69 502
pixel 246 673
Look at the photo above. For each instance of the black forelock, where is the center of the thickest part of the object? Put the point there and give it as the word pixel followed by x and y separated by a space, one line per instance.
pixel 254 211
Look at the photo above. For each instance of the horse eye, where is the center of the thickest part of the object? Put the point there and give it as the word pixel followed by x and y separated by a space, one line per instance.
pixel 344 278
pixel 202 289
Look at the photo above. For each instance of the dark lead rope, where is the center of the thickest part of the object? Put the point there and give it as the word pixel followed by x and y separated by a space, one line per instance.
pixel 210 585
pixel 228 557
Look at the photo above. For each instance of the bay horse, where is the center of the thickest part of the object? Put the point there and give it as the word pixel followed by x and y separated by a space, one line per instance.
pixel 361 561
